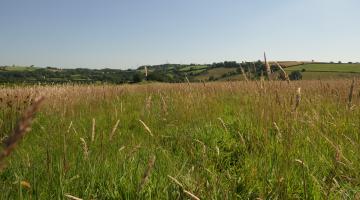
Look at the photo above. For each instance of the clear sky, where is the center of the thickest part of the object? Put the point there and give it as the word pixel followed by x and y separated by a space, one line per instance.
pixel 128 33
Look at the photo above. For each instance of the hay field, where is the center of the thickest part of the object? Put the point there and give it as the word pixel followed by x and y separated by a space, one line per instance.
pixel 220 140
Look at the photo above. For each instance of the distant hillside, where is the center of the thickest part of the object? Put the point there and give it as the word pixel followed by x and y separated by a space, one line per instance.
pixel 222 71
pixel 22 74
pixel 315 71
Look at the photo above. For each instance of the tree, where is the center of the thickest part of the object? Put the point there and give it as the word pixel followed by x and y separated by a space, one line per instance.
pixel 295 75
pixel 156 76
pixel 137 77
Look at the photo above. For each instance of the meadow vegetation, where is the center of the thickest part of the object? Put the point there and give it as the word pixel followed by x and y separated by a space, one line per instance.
pixel 218 140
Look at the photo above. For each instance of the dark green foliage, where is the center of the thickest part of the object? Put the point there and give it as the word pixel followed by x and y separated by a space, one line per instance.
pixel 295 75
pixel 54 75
pixel 137 77
pixel 228 64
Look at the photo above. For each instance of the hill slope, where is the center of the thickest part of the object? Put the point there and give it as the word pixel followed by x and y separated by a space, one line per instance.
pixel 224 71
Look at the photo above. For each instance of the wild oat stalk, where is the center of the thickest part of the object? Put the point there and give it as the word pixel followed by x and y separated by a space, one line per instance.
pixel 85 148
pixel 147 173
pixel 203 144
pixel 72 197
pixel 163 104
pixel 351 93
pixel 243 73
pixel 187 80
pixel 148 103
pixel 114 130
pixel 146 127
pixel 23 126
pixel 267 67
pixel 254 67
pixel 93 130
pixel 223 124
pixel 283 73
pixel 278 135
pixel 146 71
pixel 191 195
pixel 304 176
pixel 298 98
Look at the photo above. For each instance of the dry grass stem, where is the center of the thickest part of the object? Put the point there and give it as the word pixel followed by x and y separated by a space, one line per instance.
pixel 146 71
pixel 114 129
pixel 93 130
pixel 85 148
pixel 146 127
pixel 191 195
pixel 267 67
pixel 223 124
pixel 297 98
pixel 22 127
pixel 71 197
pixel 284 75
pixel 147 172
pixel 176 181
pixel 351 91
pixel 243 73
pixel 187 80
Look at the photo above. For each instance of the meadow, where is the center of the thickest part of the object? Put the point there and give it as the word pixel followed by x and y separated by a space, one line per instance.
pixel 327 67
pixel 326 71
pixel 218 140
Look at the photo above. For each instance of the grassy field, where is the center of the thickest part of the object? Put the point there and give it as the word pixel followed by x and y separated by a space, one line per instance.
pixel 354 68
pixel 194 67
pixel 18 68
pixel 286 64
pixel 216 73
pixel 328 75
pixel 327 71
pixel 233 140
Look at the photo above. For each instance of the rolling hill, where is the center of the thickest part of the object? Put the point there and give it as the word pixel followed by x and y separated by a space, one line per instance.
pixel 224 71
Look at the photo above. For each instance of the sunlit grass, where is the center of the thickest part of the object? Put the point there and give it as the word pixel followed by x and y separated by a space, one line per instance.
pixel 214 141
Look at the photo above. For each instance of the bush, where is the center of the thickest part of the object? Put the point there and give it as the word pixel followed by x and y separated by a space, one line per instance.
pixel 137 77
pixel 295 75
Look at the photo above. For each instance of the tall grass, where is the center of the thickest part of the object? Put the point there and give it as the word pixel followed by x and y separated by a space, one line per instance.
pixel 211 141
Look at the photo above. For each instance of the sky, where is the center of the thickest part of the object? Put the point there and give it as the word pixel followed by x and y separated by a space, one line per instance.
pixel 129 33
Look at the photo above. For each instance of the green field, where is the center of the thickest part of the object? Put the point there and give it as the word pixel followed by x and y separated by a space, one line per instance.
pixel 216 73
pixel 328 75
pixel 18 68
pixel 327 71
pixel 355 68
pixel 220 140
pixel 194 67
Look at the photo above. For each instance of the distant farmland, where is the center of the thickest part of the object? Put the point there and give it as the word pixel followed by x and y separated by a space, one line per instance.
pixel 173 73
pixel 328 67
pixel 327 71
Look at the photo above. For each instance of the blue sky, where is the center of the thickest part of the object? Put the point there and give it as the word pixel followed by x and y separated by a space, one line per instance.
pixel 128 33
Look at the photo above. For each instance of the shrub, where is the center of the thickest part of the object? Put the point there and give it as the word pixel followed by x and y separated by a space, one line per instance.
pixel 137 77
pixel 295 75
